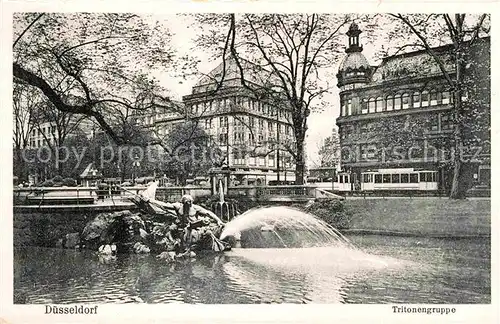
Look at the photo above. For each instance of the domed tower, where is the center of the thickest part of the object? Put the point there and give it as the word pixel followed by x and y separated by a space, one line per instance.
pixel 354 68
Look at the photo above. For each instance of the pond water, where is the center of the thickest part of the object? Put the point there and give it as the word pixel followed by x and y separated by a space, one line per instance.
pixel 382 269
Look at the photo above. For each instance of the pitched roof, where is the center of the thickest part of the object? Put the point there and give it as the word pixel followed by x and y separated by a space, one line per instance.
pixel 251 72
pixel 417 63
pixel 411 64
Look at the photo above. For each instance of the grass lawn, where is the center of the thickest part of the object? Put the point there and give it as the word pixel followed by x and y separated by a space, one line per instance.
pixel 423 216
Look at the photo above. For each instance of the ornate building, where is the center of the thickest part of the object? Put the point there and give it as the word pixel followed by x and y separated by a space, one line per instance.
pixel 251 132
pixel 399 114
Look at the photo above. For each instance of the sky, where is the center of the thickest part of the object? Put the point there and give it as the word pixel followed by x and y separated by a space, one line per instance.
pixel 320 124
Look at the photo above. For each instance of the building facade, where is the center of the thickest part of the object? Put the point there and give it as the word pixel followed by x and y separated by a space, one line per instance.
pixel 400 114
pixel 46 133
pixel 161 120
pixel 251 132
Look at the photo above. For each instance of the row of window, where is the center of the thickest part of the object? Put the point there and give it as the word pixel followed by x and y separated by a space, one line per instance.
pixel 40 142
pixel 253 161
pixel 401 178
pixel 242 123
pixel 44 130
pixel 239 138
pixel 418 152
pixel 358 73
pixel 260 161
pixel 147 120
pixel 436 122
pixel 441 122
pixel 225 104
pixel 151 119
pixel 397 102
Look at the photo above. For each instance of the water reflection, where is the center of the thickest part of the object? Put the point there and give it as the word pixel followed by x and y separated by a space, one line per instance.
pixel 277 286
pixel 411 271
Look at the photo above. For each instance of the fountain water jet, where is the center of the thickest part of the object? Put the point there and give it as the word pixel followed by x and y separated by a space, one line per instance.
pixel 225 210
pixel 283 227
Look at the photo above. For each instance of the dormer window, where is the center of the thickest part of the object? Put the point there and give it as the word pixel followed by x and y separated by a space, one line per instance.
pixel 425 98
pixel 364 106
pixel 397 102
pixel 379 104
pixel 445 95
pixel 434 98
pixel 416 99
pixel 371 105
pixel 390 103
pixel 406 101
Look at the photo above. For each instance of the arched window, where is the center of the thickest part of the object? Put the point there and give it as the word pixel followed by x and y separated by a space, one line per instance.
pixel 445 95
pixel 379 104
pixel 364 106
pixel 433 98
pixel 425 98
pixel 416 99
pixel 406 100
pixel 465 95
pixel 349 107
pixel 389 103
pixel 397 102
pixel 371 105
pixel 343 107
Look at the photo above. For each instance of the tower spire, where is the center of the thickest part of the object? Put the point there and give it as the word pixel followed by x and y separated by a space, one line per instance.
pixel 353 34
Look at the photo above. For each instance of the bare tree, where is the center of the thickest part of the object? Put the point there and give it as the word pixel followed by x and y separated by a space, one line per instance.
pixel 470 97
pixel 99 57
pixel 26 100
pixel 288 54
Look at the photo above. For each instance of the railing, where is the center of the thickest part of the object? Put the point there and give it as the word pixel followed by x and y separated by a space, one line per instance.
pixel 285 191
pixel 266 191
pixel 90 195
pixel 55 195
pixel 175 193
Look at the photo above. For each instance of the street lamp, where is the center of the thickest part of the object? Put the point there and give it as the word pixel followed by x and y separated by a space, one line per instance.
pixel 278 128
pixel 334 177
pixel 135 164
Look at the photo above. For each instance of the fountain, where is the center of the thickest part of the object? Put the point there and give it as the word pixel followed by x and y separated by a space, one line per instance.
pixel 226 211
pixel 283 246
pixel 282 227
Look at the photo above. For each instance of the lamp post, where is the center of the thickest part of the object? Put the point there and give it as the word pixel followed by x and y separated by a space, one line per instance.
pixel 334 176
pixel 135 164
pixel 284 168
pixel 278 145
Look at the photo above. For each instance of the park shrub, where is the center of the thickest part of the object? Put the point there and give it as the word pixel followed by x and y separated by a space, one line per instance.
pixel 69 182
pixel 47 183
pixel 102 186
pixel 332 212
pixel 57 179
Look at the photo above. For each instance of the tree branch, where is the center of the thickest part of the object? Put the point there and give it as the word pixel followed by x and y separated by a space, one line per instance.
pixel 26 29
pixel 428 48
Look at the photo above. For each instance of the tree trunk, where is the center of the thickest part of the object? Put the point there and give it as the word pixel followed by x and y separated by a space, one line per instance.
pixel 20 169
pixel 55 160
pixel 123 171
pixel 300 163
pixel 458 190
